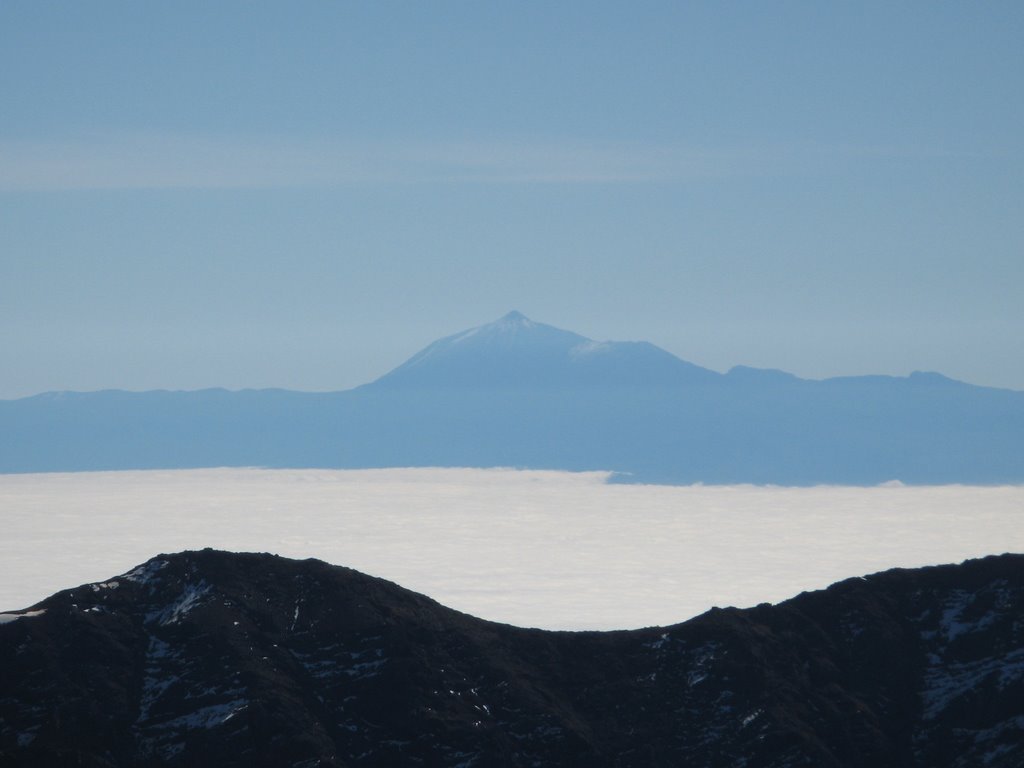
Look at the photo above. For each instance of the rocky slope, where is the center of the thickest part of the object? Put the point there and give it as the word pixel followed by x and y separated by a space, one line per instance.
pixel 216 659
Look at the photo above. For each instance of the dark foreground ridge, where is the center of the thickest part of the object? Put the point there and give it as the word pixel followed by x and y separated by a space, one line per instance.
pixel 216 659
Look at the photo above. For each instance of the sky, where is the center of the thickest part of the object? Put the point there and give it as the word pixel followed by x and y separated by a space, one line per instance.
pixel 304 194
pixel 556 550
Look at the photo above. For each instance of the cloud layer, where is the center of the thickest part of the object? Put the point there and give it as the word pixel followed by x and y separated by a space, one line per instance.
pixel 549 549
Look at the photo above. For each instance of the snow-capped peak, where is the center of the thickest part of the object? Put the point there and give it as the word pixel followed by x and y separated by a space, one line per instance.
pixel 514 318
pixel 516 352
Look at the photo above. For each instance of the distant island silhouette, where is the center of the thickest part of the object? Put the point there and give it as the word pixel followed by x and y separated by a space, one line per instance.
pixel 519 393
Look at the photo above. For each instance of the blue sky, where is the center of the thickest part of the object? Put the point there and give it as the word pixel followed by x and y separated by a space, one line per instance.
pixel 304 194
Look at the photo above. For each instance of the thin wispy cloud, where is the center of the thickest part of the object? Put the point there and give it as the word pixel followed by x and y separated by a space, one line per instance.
pixel 169 162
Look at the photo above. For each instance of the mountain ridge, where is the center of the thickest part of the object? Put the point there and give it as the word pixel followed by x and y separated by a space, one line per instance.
pixel 213 658
pixel 516 321
pixel 523 394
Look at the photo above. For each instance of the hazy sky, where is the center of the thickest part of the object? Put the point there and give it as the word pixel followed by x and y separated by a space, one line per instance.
pixel 303 194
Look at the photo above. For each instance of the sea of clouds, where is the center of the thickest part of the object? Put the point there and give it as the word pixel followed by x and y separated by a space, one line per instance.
pixel 557 550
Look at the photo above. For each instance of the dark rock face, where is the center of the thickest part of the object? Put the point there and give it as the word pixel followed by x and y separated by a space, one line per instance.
pixel 216 659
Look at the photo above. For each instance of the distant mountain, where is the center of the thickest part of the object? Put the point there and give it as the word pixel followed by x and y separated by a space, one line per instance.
pixel 216 659
pixel 514 353
pixel 524 394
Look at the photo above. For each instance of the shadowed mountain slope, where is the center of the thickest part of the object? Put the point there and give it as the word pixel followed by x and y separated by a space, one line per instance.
pixel 216 659
pixel 520 393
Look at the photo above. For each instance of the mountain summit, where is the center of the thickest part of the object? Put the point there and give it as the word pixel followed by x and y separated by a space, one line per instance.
pixel 515 352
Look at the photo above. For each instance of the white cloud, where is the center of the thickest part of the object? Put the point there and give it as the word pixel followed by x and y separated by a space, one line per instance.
pixel 547 549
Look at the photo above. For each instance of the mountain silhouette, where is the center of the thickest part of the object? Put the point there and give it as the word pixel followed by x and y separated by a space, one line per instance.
pixel 524 394
pixel 216 659
pixel 515 352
